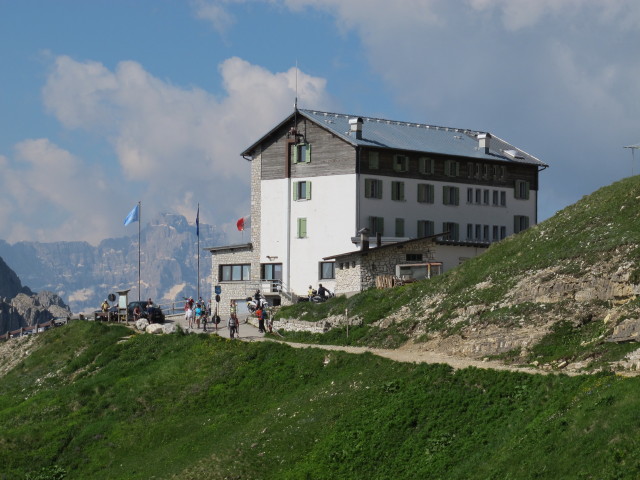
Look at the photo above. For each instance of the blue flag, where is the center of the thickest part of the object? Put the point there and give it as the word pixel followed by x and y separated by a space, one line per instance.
pixel 198 222
pixel 133 215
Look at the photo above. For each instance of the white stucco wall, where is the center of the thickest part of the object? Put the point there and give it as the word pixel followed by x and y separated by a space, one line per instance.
pixel 331 222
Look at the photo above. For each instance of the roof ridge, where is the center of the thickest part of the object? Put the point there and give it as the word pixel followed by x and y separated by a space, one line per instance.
pixel 393 122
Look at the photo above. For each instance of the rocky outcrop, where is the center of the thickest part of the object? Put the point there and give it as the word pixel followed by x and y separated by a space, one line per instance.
pixel 10 284
pixel 20 307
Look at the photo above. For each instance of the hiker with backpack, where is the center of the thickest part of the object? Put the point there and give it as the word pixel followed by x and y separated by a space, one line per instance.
pixel 260 315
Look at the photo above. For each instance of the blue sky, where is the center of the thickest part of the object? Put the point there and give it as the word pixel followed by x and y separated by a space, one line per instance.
pixel 105 103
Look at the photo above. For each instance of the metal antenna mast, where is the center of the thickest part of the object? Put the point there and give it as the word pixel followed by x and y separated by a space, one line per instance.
pixel 633 148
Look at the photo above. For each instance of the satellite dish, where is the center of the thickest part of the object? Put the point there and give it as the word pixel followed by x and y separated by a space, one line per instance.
pixel 112 297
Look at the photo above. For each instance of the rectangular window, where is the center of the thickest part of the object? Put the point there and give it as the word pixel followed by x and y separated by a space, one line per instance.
pixel 399 227
pixel 327 270
pixel 426 193
pixel 503 233
pixel 374 160
pixel 478 235
pixel 469 231
pixel 302 190
pixel 478 196
pixel 487 171
pixel 272 273
pixel 372 188
pixel 503 199
pixel 300 153
pixel 470 195
pixel 452 229
pixel 425 228
pixel 485 233
pixel 485 197
pixel 397 191
pixel 451 168
pixel 496 233
pixel 520 223
pixel 413 257
pixel 522 190
pixel 470 169
pixel 450 195
pixel 376 225
pixel 496 198
pixel 499 172
pixel 426 165
pixel 400 163
pixel 235 273
pixel 302 228
pixel 478 169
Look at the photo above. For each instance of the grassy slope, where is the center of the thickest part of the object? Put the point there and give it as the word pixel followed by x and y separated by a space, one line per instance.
pixel 577 237
pixel 198 407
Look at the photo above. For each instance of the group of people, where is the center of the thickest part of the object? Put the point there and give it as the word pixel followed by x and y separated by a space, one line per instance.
pixel 322 293
pixel 197 313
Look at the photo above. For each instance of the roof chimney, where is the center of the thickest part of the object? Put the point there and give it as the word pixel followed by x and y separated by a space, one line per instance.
pixel 355 125
pixel 484 139
pixel 364 238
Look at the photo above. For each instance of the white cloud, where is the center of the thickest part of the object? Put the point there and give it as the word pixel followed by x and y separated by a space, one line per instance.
pixel 176 147
pixel 54 192
pixel 517 14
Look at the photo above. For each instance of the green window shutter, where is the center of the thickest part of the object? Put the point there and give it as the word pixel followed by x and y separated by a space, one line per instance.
pixel 456 193
pixel 381 225
pixel 308 190
pixel 308 153
pixel 379 189
pixel 294 153
pixel 399 227
pixel 401 191
pixel 295 190
pixel 456 169
pixel 302 227
pixel 367 188
pixel 430 193
pixel 445 197
pixel 516 223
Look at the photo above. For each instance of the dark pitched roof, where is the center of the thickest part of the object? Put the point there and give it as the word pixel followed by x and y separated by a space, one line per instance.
pixel 391 134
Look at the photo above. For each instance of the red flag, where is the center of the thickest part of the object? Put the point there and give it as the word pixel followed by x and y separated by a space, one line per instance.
pixel 244 222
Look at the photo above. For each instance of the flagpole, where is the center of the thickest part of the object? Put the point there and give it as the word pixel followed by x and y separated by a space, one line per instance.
pixel 139 222
pixel 198 235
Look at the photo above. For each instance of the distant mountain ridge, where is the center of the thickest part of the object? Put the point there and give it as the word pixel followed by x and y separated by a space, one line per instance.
pixel 84 275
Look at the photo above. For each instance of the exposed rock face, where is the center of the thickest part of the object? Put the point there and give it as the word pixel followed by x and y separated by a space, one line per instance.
pixel 25 308
pixel 10 284
pixel 84 275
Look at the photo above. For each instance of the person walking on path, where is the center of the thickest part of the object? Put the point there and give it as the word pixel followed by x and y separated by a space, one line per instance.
pixel 188 316
pixel 260 315
pixel 233 309
pixel 233 325
pixel 198 314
